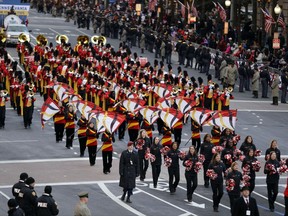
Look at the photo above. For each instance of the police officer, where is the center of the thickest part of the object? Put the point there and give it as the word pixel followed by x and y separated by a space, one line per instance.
pixel 82 208
pixel 28 197
pixel 14 210
pixel 46 205
pixel 19 185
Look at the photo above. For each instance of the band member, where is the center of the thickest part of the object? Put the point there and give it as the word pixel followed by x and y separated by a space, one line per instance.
pixel 272 179
pixel 142 144
pixel 237 177
pixel 59 122
pixel 167 136
pixel 248 160
pixel 190 174
pixel 3 100
pixel 196 138
pixel 216 134
pixel 156 164
pixel 82 123
pixel 107 151
pixel 128 170
pixel 133 126
pixel 217 183
pixel 91 143
pixel 70 118
pixel 28 108
pixel 177 130
pixel 206 150
pixel 174 170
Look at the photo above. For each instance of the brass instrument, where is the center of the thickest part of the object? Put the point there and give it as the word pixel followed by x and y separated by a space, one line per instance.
pixel 94 39
pixel 230 89
pixel 60 38
pixel 31 87
pixel 190 89
pixel 41 40
pixel 3 37
pixel 83 39
pixel 3 93
pixel 175 90
pixel 23 38
pixel 31 95
pixel 102 40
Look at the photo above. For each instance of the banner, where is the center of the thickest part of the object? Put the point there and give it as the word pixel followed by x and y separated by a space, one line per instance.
pixel 20 10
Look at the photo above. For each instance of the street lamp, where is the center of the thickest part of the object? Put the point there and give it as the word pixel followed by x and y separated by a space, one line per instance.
pixel 277 10
pixel 227 3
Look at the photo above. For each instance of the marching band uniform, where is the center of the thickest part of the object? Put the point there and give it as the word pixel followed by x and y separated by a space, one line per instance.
pixel 177 130
pixel 59 123
pixel 70 118
pixel 107 151
pixel 82 123
pixel 167 136
pixel 216 134
pixel 91 143
pixel 196 138
pixel 133 126
pixel 3 100
pixel 28 108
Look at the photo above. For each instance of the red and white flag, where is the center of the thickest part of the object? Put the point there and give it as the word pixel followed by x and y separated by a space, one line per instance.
pixel 162 90
pixel 200 115
pixel 133 105
pixel 150 113
pixel 223 119
pixel 268 19
pixel 170 116
pixel 281 21
pixel 48 110
pixel 221 11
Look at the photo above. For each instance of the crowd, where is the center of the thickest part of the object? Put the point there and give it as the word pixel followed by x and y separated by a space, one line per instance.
pixel 105 76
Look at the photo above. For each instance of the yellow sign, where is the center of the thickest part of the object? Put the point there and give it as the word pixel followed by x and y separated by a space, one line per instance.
pixel 226 27
pixel 18 13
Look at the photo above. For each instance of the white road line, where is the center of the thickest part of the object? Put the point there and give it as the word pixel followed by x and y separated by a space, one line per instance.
pixel 134 192
pixel 115 199
pixel 49 160
pixel 282 156
pixel 54 31
pixel 255 110
pixel 264 197
pixel 73 183
pixel 17 141
pixel 203 197
pixel 265 185
pixel 5 195
pixel 168 203
pixel 264 177
pixel 185 214
pixel 250 101
pixel 83 33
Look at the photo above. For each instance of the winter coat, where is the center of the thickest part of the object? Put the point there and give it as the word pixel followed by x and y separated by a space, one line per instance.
pixel 142 41
pixel 231 75
pixel 162 49
pixel 255 80
pixel 128 169
pixel 274 86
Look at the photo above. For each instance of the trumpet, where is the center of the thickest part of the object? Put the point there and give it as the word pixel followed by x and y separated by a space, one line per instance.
pixel 30 95
pixel 3 93
pixel 31 87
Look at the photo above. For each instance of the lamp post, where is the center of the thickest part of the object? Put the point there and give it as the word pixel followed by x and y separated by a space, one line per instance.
pixel 226 24
pixel 277 11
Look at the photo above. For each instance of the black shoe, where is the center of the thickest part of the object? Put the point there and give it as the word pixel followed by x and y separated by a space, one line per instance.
pixel 216 209
pixel 128 200
pixel 190 200
pixel 81 155
pixel 155 186
pixel 105 172
pixel 123 197
pixel 206 185
pixel 92 164
pixel 141 179
pixel 271 209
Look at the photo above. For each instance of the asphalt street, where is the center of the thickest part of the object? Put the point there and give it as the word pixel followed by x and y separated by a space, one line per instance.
pixel 35 151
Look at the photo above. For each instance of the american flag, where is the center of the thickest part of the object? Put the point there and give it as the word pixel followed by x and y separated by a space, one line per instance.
pixel 281 21
pixel 268 19
pixel 182 8
pixel 221 11
pixel 194 10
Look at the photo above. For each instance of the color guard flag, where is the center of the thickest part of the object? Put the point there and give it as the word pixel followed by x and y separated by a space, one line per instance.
pixel 132 105
pixel 200 115
pixel 162 90
pixel 170 116
pixel 150 113
pixel 223 119
pixel 184 104
pixel 48 110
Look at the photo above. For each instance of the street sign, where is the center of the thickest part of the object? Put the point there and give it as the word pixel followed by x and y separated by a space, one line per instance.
pixel 276 43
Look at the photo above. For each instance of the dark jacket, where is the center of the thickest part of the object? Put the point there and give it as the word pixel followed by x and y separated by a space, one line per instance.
pixel 219 168
pixel 277 151
pixel 237 176
pixel 155 150
pixel 240 207
pixel 226 151
pixel 272 178
pixel 46 206
pixel 249 160
pixel 246 146
pixel 128 169
pixel 174 155
pixel 206 150
pixel 28 200
pixel 194 159
pixel 16 212
pixel 16 189
pixel 141 153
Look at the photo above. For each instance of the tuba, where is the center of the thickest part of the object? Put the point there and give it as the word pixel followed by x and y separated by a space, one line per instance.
pixel 41 40
pixel 83 39
pixel 3 37
pixel 3 93
pixel 94 39
pixel 102 40
pixel 61 38
pixel 230 89
pixel 31 87
pixel 23 38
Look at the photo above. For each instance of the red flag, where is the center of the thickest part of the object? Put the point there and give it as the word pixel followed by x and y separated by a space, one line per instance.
pixel 223 119
pixel 200 115
pixel 221 11
pixel 170 116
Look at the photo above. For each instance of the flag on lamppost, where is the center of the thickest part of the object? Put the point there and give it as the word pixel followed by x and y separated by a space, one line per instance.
pixel 268 19
pixel 182 9
pixel 281 21
pixel 194 10
pixel 221 11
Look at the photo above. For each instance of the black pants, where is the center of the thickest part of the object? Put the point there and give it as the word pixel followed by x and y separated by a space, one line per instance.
pixel 217 189
pixel 160 125
pixel 82 144
pixel 27 115
pixel 107 160
pixel 232 198
pixel 69 136
pixel 286 206
pixel 121 130
pixel 18 105
pixel 272 189
pixel 252 185
pixel 2 116
pixel 133 134
pixel 208 103
pixel 205 168
pixel 92 150
pixel 283 93
pixel 192 183
pixel 143 166
pixel 177 136
pixel 156 169
pixel 59 130
pixel 173 172
pixel 196 143
pixel 264 85
pixel 241 83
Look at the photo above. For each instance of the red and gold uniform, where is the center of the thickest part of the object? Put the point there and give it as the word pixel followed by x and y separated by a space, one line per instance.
pixel 91 143
pixel 133 126
pixel 3 100
pixel 167 137
pixel 107 151
pixel 177 130
pixel 70 118
pixel 28 108
pixel 216 134
pixel 59 124
pixel 196 138
pixel 82 123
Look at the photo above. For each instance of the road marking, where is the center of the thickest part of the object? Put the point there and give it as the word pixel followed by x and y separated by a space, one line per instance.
pixel 255 110
pixel 115 199
pixel 203 197
pixel 265 185
pixel 49 160
pixel 263 156
pixel 245 128
pixel 264 177
pixel 83 32
pixel 5 195
pixel 17 141
pixel 264 197
pixel 195 204
pixel 54 31
pixel 168 203
pixel 250 101
pixel 134 192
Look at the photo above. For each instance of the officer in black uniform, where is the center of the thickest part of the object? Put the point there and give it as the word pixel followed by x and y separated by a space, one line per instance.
pixel 46 205
pixel 28 197
pixel 19 185
pixel 14 209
